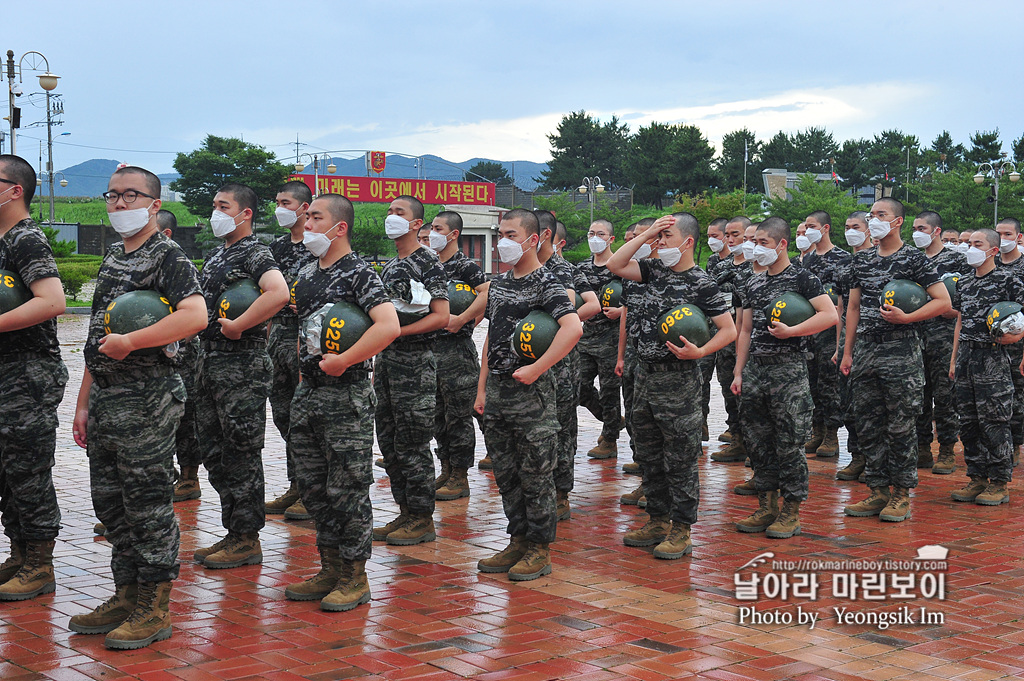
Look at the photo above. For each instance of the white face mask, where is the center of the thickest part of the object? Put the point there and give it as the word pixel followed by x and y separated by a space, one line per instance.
pixel 1006 246
pixel 765 256
pixel 716 244
pixel 748 250
pixel 510 251
pixel 317 243
pixel 8 200
pixel 813 235
pixel 396 226
pixel 437 241
pixel 879 229
pixel 129 222
pixel 975 256
pixel 803 243
pixel 597 244
pixel 286 217
pixel 855 238
pixel 964 247
pixel 950 246
pixel 670 257
pixel 735 249
pixel 643 252
pixel 922 239
pixel 222 224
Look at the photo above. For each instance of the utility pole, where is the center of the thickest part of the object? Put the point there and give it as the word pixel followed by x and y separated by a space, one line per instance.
pixel 10 93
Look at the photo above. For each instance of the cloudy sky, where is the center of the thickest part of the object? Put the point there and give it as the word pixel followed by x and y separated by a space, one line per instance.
pixel 143 80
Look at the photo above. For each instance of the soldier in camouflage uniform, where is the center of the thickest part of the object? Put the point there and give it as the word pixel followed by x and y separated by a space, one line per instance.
pixel 667 429
pixel 983 384
pixel 293 201
pixel 936 349
pixel 234 378
pixel 771 381
pixel 332 412
pixel 716 242
pixel 128 411
pixel 518 400
pixel 405 379
pixel 32 382
pixel 883 358
pixel 1010 240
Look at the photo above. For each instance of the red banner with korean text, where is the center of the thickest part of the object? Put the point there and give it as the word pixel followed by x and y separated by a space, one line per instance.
pixel 385 190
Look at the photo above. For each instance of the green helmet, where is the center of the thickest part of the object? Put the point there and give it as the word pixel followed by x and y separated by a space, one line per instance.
pixel 685 320
pixel 579 300
pixel 136 310
pixel 237 298
pixel 611 294
pixel 830 290
pixel 904 294
pixel 460 296
pixel 789 308
pixel 1005 318
pixel 291 292
pixel 950 279
pixel 533 335
pixel 344 324
pixel 407 318
pixel 13 291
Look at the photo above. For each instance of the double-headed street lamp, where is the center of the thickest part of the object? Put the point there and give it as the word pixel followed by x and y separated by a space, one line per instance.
pixel 316 159
pixel 591 186
pixel 47 81
pixel 49 179
pixel 996 168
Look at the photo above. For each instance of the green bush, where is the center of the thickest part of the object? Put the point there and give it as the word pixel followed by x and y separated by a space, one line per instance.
pixel 74 273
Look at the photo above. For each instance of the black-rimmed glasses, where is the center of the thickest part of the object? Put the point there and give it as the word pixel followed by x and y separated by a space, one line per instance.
pixel 128 195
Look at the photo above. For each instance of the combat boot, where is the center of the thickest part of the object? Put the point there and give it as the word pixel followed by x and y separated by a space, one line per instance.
pixel 455 487
pixel 829 446
pixel 946 463
pixel 281 504
pixel 485 463
pixel 381 533
pixel 149 622
pixel 853 469
pixel 536 562
pixel 817 436
pixel 35 576
pixel 446 471
pixel 995 494
pixel 654 531
pixel 873 505
pixel 351 590
pixel 110 614
pixel 725 437
pixel 11 566
pixel 187 486
pixel 746 489
pixel 734 451
pixel 642 502
pixel 605 449
pixel 503 560
pixel 632 468
pixel 99 529
pixel 677 544
pixel 418 530
pixel 788 522
pixel 562 509
pixel 766 513
pixel 242 549
pixel 202 554
pixel 971 490
pixel 297 511
pixel 631 498
pixel 898 508
pixel 1016 455
pixel 924 455
pixel 705 435
pixel 322 583
pixel 379 462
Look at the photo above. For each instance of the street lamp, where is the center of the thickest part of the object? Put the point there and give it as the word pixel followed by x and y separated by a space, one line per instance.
pixel 47 81
pixel 996 168
pixel 299 167
pixel 588 184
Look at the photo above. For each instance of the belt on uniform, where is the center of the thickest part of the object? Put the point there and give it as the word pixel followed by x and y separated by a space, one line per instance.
pixel 979 344
pixel 290 320
pixel 233 346
pixel 349 377
pixel 21 357
pixel 137 374
pixel 660 367
pixel 401 344
pixel 888 335
pixel 786 358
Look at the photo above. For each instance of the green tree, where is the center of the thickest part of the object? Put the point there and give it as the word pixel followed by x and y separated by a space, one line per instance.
pixel 851 163
pixel 226 159
pixel 690 156
pixel 779 152
pixel 887 158
pixel 647 161
pixel 809 196
pixel 943 154
pixel 488 171
pixel 963 204
pixel 985 146
pixel 740 149
pixel 813 149
pixel 1018 150
pixel 583 147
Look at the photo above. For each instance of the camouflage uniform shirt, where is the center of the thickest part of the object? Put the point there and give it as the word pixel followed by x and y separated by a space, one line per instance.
pixel 871 272
pixel 421 265
pixel 247 258
pixel 827 267
pixel 460 267
pixel 761 290
pixel 597 277
pixel 290 258
pixel 976 295
pixel 25 251
pixel 732 280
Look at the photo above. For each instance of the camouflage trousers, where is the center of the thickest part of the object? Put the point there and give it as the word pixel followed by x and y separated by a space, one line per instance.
pixel 776 406
pixel 936 350
pixel 598 354
pixel 1014 353
pixel 458 371
pixel 130 435
pixel 282 347
pixel 332 437
pixel 725 364
pixel 667 429
pixel 823 377
pixel 985 395
pixel 231 422
pixel 887 385
pixel 566 374
pixel 186 444
pixel 31 388
pixel 629 361
pixel 707 372
pixel 405 380
pixel 521 435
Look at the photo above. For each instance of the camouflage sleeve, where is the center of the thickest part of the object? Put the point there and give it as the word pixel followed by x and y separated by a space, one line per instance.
pixel 645 271
pixel 33 257
pixel 579 281
pixel 260 261
pixel 809 285
pixel 472 274
pixel 177 277
pixel 926 273
pixel 369 289
pixel 553 298
pixel 1014 289
pixel 709 297
pixel 957 299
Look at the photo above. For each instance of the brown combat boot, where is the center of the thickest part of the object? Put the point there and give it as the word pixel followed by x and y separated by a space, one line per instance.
pixel 853 469
pixel 99 529
pixel 110 614
pixel 485 463
pixel 766 513
pixel 705 435
pixel 11 566
pixel 946 463
pixel 788 522
pixel 446 471
pixel 34 577
pixel 281 504
pixel 746 489
pixel 631 498
pixel 536 562
pixel 241 549
pixel 829 446
pixel 642 502
pixel 418 530
pixel 676 545
pixel 734 451
pixel 202 554
pixel 725 437
pixel 322 583
pixel 149 622
pixel 297 511
pixel 562 509
pixel 351 590
pixel 898 508
pixel 924 455
pixel 605 449
pixel 631 468
pixel 873 505
pixel 995 494
pixel 971 490
pixel 379 461
pixel 455 487
pixel 817 436
pixel 654 531
pixel 381 533
pixel 503 560
pixel 1016 455
pixel 187 486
